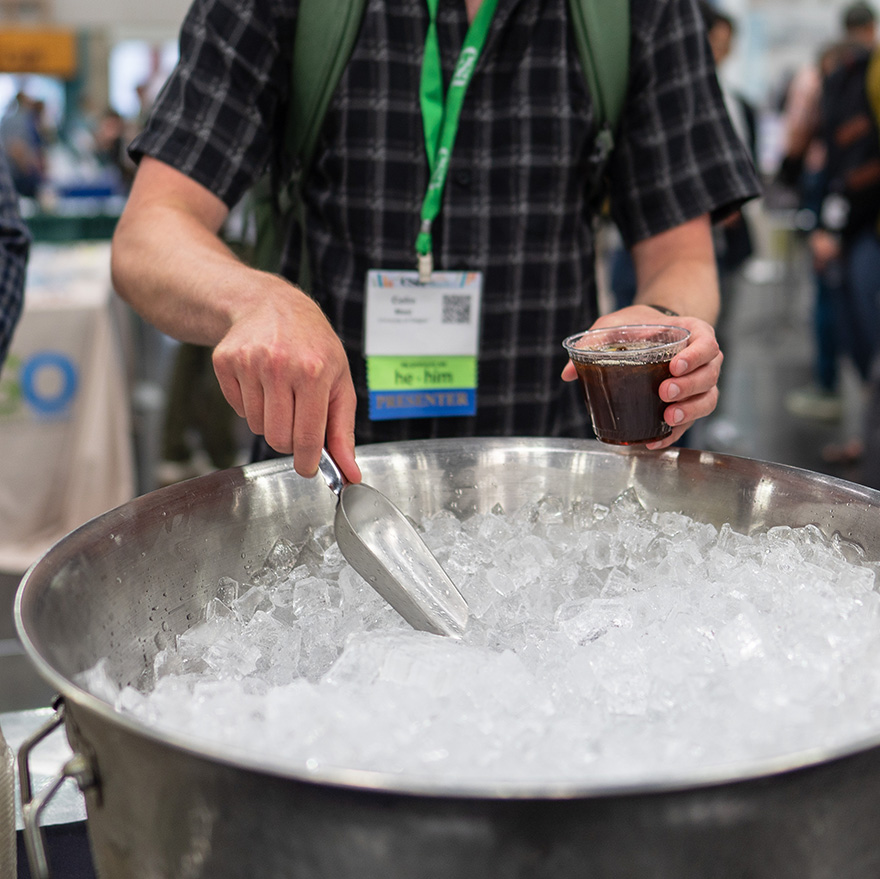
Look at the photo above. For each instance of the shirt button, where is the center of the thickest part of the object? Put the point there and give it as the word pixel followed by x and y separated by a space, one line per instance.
pixel 463 178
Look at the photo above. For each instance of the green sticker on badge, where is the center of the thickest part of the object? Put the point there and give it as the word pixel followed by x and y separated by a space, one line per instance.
pixel 421 373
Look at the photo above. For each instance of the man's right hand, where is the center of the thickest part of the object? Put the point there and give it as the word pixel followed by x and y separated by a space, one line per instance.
pixel 278 360
pixel 283 368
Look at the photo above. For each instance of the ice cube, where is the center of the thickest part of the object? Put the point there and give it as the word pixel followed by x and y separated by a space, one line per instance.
pixel 251 601
pixel 281 559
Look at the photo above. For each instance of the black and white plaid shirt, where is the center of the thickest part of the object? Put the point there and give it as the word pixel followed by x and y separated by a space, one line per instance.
pixel 515 204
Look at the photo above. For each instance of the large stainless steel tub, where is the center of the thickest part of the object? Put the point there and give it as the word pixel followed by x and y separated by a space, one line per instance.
pixel 160 806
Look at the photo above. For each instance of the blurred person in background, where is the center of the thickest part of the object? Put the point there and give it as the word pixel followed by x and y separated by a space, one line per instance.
pixel 733 236
pixel 866 258
pixel 860 24
pixel 21 137
pixel 110 138
pixel 14 247
pixel 847 236
pixel 803 172
pixel 801 105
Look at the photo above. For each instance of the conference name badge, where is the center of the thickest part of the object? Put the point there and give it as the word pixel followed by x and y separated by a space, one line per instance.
pixel 422 343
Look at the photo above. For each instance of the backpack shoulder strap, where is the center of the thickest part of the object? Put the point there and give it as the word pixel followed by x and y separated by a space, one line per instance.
pixel 326 31
pixel 602 36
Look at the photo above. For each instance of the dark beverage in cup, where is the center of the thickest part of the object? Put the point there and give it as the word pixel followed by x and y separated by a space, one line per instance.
pixel 624 400
pixel 620 371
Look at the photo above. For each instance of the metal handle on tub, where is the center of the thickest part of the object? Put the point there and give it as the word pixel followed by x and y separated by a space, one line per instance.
pixel 32 806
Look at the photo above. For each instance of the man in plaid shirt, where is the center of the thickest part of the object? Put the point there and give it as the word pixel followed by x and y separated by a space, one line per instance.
pixel 14 246
pixel 515 207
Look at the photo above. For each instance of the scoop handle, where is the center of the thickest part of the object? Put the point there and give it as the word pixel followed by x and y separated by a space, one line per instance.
pixel 331 473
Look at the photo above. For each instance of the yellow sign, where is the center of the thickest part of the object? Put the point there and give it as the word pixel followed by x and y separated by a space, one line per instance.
pixel 51 51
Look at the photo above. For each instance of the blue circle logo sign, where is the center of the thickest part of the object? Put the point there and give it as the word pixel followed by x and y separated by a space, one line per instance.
pixel 48 382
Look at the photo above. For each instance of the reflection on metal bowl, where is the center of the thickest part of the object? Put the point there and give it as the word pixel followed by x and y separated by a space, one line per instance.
pixel 159 805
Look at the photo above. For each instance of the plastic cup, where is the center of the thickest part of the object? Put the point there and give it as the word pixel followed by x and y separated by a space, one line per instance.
pixel 620 371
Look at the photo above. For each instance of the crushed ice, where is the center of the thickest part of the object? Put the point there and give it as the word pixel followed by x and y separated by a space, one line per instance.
pixel 607 645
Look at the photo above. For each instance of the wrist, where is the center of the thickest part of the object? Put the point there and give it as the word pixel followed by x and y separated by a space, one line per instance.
pixel 663 309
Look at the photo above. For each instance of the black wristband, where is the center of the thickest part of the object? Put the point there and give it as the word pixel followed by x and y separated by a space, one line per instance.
pixel 664 310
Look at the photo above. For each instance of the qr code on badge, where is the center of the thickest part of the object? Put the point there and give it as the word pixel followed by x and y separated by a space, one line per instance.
pixel 456 309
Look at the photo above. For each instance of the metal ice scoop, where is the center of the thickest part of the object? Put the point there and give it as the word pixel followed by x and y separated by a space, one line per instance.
pixel 382 545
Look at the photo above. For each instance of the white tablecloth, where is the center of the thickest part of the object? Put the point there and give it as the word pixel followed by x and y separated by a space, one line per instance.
pixel 65 439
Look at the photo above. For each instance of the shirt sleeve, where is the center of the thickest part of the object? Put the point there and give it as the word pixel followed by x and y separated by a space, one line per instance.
pixel 14 247
pixel 223 106
pixel 677 155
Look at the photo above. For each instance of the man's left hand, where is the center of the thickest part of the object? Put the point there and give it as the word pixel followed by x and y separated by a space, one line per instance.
pixel 692 389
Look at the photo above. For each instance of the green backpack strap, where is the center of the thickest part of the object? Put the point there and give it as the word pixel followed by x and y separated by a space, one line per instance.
pixel 602 37
pixel 326 31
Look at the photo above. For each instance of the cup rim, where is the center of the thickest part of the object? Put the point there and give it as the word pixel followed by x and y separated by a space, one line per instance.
pixel 650 351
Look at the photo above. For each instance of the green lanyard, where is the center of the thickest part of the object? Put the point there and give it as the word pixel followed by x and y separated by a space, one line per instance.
pixel 440 118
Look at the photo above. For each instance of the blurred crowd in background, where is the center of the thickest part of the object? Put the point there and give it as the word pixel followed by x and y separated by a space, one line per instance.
pixel 94 144
pixel 61 143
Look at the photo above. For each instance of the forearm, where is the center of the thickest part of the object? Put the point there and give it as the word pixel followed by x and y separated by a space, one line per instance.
pixel 178 275
pixel 677 270
pixel 170 265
